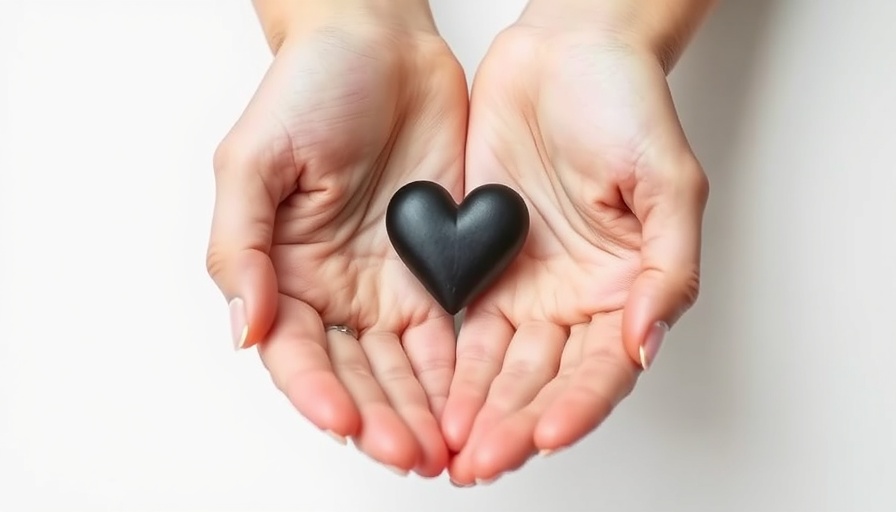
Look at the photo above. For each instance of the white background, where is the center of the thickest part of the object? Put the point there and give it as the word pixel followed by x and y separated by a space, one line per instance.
pixel 118 386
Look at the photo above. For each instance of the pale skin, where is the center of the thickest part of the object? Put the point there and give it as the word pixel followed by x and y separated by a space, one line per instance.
pixel 571 108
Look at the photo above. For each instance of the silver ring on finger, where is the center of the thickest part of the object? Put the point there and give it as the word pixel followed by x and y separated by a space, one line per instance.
pixel 344 329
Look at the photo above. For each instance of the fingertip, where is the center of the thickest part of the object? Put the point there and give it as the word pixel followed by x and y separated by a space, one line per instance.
pixel 505 448
pixel 649 304
pixel 655 303
pixel 386 439
pixel 432 462
pixel 255 291
pixel 597 387
pixel 559 428
pixel 548 435
pixel 323 400
pixel 456 422
pixel 635 317
pixel 433 457
pixel 460 469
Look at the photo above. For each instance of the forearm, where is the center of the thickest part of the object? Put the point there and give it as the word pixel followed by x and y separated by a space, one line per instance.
pixel 665 27
pixel 279 18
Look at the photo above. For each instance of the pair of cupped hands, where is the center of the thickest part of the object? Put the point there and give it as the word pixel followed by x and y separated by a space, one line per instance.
pixel 580 123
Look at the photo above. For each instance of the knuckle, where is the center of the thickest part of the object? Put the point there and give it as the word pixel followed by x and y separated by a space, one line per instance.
pixel 697 181
pixel 436 365
pixel 475 354
pixel 230 155
pixel 603 361
pixel 281 383
pixel 215 262
pixel 684 174
pixel 518 371
pixel 584 390
pixel 222 155
pixel 503 394
pixel 602 365
pixel 690 287
pixel 395 374
pixel 359 370
pixel 240 160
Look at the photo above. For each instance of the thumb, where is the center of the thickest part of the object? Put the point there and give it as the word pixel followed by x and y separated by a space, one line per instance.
pixel 247 193
pixel 669 200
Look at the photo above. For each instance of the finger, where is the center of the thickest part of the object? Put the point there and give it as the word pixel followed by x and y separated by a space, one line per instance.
pixel 510 443
pixel 247 192
pixel 296 357
pixel 531 361
pixel 430 348
pixel 507 445
pixel 669 200
pixel 383 435
pixel 604 377
pixel 572 350
pixel 481 344
pixel 393 371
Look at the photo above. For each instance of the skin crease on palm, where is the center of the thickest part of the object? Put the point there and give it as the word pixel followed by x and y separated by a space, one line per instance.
pixel 581 124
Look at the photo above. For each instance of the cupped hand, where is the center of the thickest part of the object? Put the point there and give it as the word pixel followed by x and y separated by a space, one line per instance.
pixel 349 111
pixel 584 127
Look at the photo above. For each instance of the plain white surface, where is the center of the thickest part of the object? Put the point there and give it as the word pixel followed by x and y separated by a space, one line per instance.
pixel 118 387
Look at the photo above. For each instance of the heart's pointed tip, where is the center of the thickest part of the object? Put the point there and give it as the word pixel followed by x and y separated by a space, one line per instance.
pixel 450 307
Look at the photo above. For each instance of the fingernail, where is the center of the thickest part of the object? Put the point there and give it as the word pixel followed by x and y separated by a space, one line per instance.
pixel 458 484
pixel 546 452
pixel 487 481
pixel 398 471
pixel 239 328
pixel 652 343
pixel 336 437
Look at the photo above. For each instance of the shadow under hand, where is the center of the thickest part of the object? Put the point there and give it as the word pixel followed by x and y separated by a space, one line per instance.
pixel 714 87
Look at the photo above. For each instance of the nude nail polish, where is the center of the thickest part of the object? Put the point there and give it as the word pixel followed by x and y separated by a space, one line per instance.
pixel 336 437
pixel 487 481
pixel 239 326
pixel 652 343
pixel 398 471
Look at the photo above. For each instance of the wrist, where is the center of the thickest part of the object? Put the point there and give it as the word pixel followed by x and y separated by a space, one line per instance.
pixel 282 19
pixel 660 27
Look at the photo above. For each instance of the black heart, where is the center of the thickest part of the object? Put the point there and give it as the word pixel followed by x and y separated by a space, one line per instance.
pixel 456 252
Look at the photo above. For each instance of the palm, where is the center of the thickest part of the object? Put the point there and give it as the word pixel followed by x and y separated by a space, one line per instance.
pixel 566 131
pixel 353 115
pixel 353 142
pixel 581 136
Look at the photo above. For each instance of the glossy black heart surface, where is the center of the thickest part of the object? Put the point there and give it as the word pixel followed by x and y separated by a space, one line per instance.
pixel 456 252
